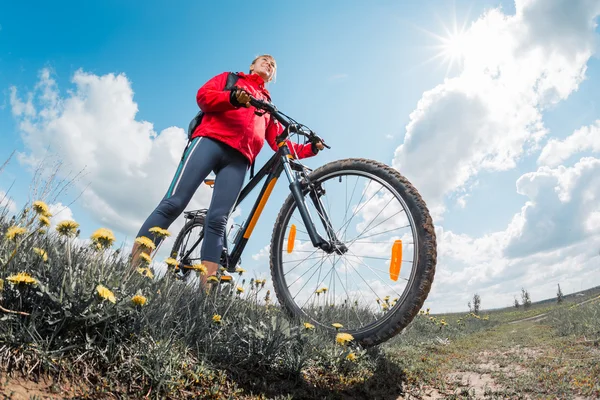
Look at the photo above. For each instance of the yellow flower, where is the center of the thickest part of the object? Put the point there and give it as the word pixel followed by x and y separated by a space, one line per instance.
pixel 104 237
pixel 146 272
pixel 201 268
pixel 240 270
pixel 239 289
pixel 386 298
pixel 139 300
pixel 15 231
pixel 41 208
pixel 106 294
pixel 322 290
pixel 41 252
pixel 343 338
pixel 146 258
pixel 337 325
pixel 146 243
pixel 216 319
pixel 44 221
pixel 22 277
pixel 308 325
pixel 67 227
pixel 351 357
pixel 171 262
pixel 212 278
pixel 160 232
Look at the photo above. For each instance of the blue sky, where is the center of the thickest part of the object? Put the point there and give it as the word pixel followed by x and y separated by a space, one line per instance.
pixel 372 78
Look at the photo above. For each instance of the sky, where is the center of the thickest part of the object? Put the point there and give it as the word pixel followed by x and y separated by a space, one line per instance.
pixel 489 108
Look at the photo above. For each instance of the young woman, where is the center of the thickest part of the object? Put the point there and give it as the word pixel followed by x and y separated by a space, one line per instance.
pixel 227 141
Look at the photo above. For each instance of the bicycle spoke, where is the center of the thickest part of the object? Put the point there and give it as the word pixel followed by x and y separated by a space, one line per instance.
pixel 384 281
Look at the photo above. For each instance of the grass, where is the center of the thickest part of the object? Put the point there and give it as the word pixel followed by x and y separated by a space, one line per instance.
pixel 75 314
pixel 76 311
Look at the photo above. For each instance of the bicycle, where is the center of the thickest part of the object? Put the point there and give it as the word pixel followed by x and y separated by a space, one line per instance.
pixel 399 221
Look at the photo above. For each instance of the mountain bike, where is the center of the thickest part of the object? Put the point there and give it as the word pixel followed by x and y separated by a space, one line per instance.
pixel 353 244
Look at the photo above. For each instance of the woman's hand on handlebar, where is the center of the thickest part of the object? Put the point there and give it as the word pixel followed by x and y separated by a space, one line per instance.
pixel 240 98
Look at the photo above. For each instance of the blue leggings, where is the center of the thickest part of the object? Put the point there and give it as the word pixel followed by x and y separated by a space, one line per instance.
pixel 203 156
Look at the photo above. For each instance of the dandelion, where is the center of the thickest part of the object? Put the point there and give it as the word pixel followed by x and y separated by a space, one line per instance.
pixel 160 232
pixel 343 338
pixel 145 271
pixel 308 326
pixel 146 258
pixel 41 252
pixel 22 278
pixel 322 290
pixel 201 268
pixel 351 357
pixel 67 227
pixel 145 243
pixel 239 289
pixel 240 270
pixel 139 300
pixel 337 325
pixel 216 319
pixel 41 208
pixel 103 237
pixel 212 279
pixel 171 262
pixel 386 299
pixel 14 232
pixel 106 294
pixel 43 220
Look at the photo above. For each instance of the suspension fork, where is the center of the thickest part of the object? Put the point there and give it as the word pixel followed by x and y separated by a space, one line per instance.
pixel 297 191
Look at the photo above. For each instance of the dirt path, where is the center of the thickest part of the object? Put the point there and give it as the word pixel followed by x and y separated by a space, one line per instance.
pixel 522 359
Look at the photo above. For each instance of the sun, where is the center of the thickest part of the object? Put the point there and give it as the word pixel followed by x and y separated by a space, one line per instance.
pixel 451 47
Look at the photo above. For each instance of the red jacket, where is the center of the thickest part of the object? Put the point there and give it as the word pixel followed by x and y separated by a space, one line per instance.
pixel 240 127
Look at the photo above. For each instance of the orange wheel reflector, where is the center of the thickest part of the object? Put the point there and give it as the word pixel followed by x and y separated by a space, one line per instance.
pixel 396 261
pixel 209 182
pixel 291 238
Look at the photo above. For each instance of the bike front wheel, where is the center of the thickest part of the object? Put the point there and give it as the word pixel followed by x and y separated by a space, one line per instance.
pixel 379 283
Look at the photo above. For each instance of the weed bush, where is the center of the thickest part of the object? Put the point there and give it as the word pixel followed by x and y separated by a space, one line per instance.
pixel 577 319
pixel 76 308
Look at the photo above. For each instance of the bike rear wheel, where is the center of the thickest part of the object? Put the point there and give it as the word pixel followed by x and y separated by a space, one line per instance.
pixel 185 241
pixel 380 283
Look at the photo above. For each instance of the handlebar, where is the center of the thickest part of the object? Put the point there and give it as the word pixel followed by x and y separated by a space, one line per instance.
pixel 287 122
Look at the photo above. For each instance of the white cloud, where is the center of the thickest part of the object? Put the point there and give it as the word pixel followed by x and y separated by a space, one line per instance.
pixel 562 202
pixel 556 151
pixel 469 265
pixel 127 165
pixel 554 239
pixel 6 203
pixel 490 115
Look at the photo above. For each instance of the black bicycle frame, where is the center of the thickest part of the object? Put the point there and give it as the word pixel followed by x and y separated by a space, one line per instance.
pixel 278 163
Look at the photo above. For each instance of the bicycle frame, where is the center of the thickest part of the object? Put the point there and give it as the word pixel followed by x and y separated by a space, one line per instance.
pixel 278 163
